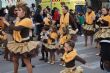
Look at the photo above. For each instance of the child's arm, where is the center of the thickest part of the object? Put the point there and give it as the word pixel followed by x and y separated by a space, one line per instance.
pixel 80 59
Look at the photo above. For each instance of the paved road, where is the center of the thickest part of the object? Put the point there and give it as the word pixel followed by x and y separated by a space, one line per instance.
pixel 88 53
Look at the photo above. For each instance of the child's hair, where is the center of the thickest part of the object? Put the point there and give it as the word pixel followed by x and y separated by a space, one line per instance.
pixel 71 44
pixel 65 30
pixel 2 12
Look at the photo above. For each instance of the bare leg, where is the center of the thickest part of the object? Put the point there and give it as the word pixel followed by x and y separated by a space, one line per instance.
pixel 16 63
pixel 53 58
pixel 6 54
pixel 50 57
pixel 28 64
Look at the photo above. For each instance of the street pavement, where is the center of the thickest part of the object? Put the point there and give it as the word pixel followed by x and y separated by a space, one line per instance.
pixel 88 53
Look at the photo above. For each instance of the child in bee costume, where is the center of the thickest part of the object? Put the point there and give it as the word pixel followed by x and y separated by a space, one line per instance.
pixel 69 58
pixel 104 27
pixel 52 41
pixel 64 37
pixel 44 37
pixel 88 28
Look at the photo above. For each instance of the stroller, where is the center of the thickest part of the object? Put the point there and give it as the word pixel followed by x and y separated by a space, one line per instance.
pixel 105 55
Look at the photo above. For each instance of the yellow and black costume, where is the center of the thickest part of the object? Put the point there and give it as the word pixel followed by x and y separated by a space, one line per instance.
pixel 67 21
pixel 89 26
pixel 69 59
pixel 46 21
pixel 104 30
pixel 22 45
pixel 64 21
pixel 52 41
pixel 53 36
pixel 62 40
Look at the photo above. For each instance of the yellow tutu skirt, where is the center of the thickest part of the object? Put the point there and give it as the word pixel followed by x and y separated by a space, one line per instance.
pixel 70 70
pixel 88 29
pixel 50 46
pixel 103 33
pixel 25 49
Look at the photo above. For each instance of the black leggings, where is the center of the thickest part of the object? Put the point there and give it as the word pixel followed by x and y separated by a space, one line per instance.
pixel 44 52
pixel 52 54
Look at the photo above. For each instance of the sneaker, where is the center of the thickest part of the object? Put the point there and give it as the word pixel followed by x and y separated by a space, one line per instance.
pixel 48 62
pixel 82 35
pixel 61 64
pixel 52 63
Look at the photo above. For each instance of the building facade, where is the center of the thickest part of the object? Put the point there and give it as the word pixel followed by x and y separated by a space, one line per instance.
pixel 106 3
pixel 4 3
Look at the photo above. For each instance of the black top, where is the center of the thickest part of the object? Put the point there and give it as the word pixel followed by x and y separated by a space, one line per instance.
pixel 70 64
pixel 72 22
pixel 104 24
pixel 24 31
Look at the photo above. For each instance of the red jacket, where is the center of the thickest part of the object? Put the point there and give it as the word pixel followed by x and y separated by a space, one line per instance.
pixel 56 16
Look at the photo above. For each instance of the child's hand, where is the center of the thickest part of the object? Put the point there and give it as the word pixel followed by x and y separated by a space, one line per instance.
pixel 57 46
pixel 5 22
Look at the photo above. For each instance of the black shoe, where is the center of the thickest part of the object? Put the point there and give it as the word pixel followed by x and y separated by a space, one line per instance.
pixel 46 60
pixel 23 65
pixel 41 59
pixel 33 66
